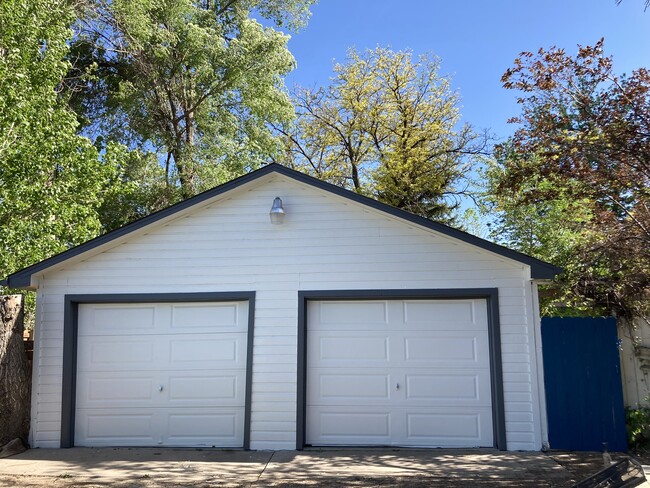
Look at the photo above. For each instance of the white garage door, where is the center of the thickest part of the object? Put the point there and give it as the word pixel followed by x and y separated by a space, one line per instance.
pixel 161 374
pixel 405 373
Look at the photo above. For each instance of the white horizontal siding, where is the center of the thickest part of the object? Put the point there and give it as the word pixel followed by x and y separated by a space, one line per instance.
pixel 326 242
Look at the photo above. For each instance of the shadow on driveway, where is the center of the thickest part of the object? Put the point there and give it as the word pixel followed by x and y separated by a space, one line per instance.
pixel 150 468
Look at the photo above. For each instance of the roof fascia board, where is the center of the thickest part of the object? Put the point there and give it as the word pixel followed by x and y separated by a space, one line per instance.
pixel 22 278
pixel 539 269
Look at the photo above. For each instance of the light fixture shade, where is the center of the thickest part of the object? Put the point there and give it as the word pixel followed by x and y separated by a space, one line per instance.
pixel 277 212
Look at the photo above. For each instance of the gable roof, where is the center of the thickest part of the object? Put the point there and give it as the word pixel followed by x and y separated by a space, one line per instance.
pixel 539 269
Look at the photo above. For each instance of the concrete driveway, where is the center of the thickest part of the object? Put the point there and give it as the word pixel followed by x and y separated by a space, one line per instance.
pixel 86 467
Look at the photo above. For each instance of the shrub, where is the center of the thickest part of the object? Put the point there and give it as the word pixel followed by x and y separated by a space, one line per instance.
pixel 637 422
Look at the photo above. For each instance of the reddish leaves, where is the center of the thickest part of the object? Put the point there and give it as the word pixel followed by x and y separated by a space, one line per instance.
pixel 589 132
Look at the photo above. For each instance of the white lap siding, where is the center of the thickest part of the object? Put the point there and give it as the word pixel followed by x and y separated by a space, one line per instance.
pixel 326 243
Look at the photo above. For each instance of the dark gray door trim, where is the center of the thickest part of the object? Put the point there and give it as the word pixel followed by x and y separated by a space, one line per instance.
pixel 491 295
pixel 71 326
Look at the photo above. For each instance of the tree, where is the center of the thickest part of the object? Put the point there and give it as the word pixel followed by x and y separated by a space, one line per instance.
pixel 196 82
pixel 137 187
pixel 14 376
pixel 51 179
pixel 387 126
pixel 583 144
pixel 550 229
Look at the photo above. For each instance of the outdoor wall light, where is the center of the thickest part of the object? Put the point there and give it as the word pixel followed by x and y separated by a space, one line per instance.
pixel 277 212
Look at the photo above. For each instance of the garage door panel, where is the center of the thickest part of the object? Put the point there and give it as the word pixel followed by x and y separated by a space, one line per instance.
pixel 451 388
pixel 217 428
pixel 204 388
pixel 462 428
pixel 206 351
pixel 338 314
pixel 107 427
pixel 362 389
pixel 338 425
pixel 182 382
pixel 218 317
pixel 161 352
pixel 163 318
pixel 462 349
pixel 117 389
pixel 225 389
pixel 125 318
pixel 361 349
pixel 421 378
pixel 95 389
pixel 399 387
pixel 350 348
pixel 448 315
pixel 97 353
pixel 171 427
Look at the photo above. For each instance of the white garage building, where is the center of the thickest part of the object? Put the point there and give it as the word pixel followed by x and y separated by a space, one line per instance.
pixel 351 323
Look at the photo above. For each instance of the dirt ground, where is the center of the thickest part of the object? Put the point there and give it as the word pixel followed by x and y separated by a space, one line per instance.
pixel 578 465
pixel 584 464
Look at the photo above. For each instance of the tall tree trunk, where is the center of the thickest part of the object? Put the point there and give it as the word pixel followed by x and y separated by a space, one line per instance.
pixel 14 372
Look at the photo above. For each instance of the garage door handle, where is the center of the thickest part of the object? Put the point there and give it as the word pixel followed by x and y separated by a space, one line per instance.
pixel 160 388
pixel 397 386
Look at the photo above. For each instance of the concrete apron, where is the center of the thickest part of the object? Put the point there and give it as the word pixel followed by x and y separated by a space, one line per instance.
pixel 123 464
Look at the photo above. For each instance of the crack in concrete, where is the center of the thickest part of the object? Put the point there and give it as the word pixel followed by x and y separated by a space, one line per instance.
pixel 265 466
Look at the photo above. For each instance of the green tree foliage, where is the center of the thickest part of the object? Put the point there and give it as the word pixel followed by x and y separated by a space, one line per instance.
pixel 387 126
pixel 549 229
pixel 51 179
pixel 137 187
pixel 538 227
pixel 195 82
pixel 578 171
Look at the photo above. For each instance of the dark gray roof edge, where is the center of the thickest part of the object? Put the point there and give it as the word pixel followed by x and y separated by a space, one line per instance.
pixel 22 278
pixel 539 269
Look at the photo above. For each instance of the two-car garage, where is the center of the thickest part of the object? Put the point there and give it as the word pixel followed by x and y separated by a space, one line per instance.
pixel 408 372
pixel 348 323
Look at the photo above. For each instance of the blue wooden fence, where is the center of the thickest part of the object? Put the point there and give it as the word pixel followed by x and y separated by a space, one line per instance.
pixel 582 377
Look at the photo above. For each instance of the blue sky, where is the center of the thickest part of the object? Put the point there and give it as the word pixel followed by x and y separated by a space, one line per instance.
pixel 476 40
